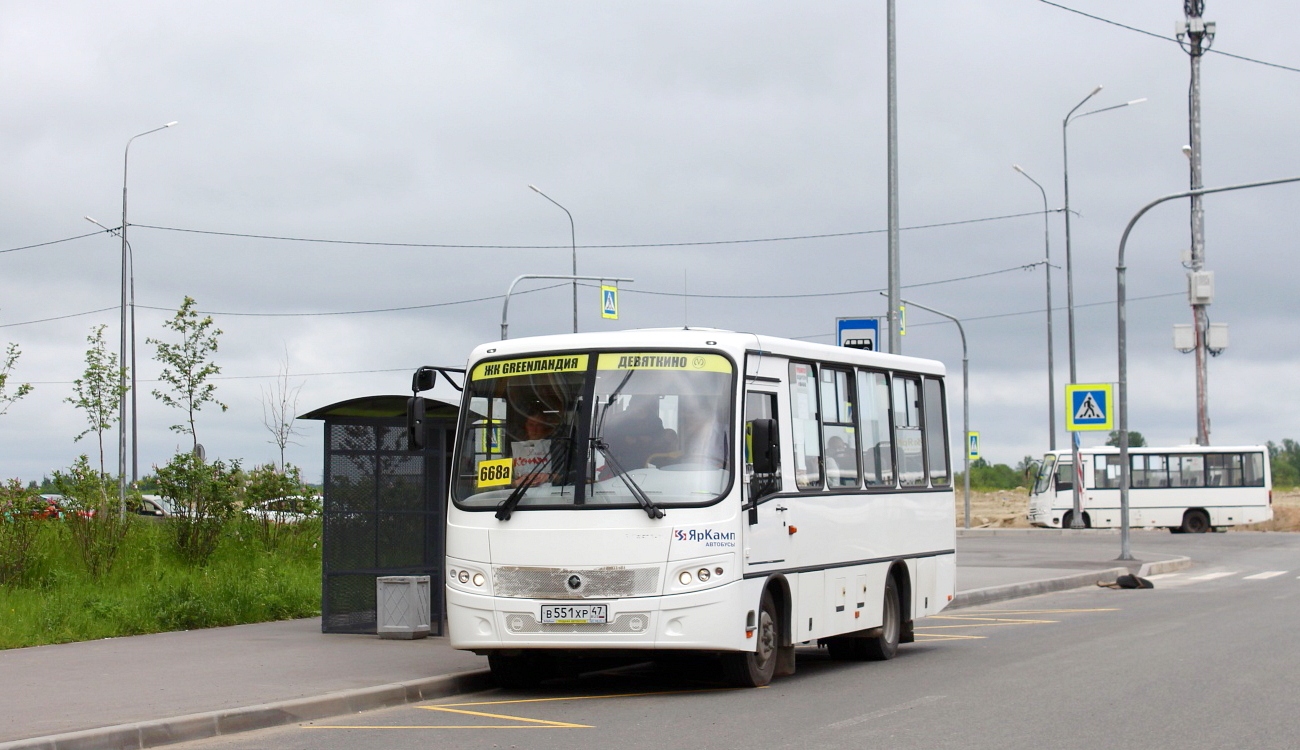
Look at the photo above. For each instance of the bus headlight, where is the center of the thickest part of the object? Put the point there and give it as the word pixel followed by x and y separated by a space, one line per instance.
pixel 479 579
pixel 684 578
pixel 702 574
pixel 463 577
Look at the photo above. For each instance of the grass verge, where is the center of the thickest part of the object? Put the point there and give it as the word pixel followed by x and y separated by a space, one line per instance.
pixel 150 590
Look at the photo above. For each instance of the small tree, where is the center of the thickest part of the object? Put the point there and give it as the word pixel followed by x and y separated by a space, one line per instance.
pixel 205 498
pixel 99 390
pixel 277 501
pixel 279 404
pixel 12 353
pixel 1135 439
pixel 96 527
pixel 186 365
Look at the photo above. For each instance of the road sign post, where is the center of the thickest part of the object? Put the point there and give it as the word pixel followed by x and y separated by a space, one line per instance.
pixel 973 445
pixel 1088 407
pixel 858 333
pixel 609 302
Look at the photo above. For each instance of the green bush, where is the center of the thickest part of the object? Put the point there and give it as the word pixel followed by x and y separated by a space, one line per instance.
pixel 276 502
pixel 1285 460
pixel 95 522
pixel 19 525
pixel 205 497
pixel 985 477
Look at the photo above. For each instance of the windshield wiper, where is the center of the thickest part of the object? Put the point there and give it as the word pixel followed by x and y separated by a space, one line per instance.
pixel 651 509
pixel 507 506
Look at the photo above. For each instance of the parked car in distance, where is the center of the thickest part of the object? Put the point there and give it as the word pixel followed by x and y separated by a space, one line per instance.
pixel 156 506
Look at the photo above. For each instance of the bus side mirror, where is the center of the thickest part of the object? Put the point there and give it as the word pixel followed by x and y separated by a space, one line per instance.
pixel 424 379
pixel 765 446
pixel 415 422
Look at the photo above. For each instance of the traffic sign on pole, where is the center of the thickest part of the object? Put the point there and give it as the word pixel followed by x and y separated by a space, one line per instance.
pixel 973 445
pixel 609 302
pixel 1088 406
pixel 858 333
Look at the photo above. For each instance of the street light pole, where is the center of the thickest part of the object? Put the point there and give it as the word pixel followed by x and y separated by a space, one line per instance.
pixel 1047 264
pixel 127 297
pixel 891 107
pixel 965 401
pixel 1199 35
pixel 1121 310
pixel 1076 518
pixel 573 240
pixel 505 304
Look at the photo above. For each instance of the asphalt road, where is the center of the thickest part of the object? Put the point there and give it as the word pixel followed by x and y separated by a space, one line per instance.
pixel 1208 659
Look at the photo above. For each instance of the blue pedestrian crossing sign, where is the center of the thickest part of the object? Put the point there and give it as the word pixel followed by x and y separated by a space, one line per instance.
pixel 609 302
pixel 973 445
pixel 1089 406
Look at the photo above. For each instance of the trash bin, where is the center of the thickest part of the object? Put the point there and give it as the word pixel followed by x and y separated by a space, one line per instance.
pixel 402 606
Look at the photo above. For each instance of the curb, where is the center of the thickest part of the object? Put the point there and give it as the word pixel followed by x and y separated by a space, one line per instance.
pixel 146 734
pixel 976 597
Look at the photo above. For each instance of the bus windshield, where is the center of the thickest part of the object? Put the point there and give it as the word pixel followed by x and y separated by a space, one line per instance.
pixel 1045 470
pixel 610 429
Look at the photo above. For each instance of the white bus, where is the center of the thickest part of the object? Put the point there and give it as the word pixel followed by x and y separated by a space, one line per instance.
pixel 695 490
pixel 1190 488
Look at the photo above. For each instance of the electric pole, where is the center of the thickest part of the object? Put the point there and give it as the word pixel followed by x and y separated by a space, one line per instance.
pixel 1195 36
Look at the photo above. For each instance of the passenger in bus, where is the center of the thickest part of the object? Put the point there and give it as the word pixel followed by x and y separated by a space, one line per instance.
pixel 535 448
pixel 637 433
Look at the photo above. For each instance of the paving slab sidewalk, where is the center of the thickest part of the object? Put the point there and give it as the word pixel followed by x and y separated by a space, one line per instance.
pixel 151 690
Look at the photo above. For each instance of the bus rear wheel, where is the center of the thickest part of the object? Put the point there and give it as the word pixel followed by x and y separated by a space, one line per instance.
pixel 756 668
pixel 1195 522
pixel 885 645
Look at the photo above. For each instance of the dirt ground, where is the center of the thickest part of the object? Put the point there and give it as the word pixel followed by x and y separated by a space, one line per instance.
pixel 1009 509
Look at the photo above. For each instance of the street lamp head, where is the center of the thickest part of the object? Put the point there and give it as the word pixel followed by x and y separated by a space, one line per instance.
pixel 96 223
pixel 1135 101
pixel 173 122
pixel 1187 151
pixel 1017 168
pixel 1095 91
pixel 534 188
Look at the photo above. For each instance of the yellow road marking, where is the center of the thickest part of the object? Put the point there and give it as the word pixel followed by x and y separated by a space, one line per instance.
pixel 949 637
pixel 542 722
pixel 525 722
pixel 432 726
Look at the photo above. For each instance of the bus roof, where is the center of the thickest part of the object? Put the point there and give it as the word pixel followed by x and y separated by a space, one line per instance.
pixel 733 342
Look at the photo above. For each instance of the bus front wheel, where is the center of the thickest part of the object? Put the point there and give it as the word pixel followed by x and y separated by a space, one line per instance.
pixel 523 670
pixel 1195 522
pixel 1069 517
pixel 756 668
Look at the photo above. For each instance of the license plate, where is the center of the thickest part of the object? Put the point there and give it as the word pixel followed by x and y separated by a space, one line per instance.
pixel 570 614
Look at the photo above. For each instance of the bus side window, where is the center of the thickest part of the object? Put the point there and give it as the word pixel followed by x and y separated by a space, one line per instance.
pixel 936 433
pixel 877 446
pixel 803 426
pixel 908 432
pixel 1064 476
pixel 837 428
pixel 760 405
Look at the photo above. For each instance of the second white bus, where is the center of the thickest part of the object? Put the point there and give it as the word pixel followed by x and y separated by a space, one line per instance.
pixel 1191 488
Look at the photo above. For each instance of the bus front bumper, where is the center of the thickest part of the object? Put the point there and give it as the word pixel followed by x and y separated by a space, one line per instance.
pixel 711 619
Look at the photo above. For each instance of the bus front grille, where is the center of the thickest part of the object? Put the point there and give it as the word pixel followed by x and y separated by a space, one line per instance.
pixel 575 583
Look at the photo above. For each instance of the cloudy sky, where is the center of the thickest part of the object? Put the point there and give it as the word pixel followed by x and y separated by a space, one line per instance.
pixel 657 124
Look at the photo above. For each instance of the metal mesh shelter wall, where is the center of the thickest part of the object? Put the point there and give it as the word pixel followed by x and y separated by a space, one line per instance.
pixel 383 510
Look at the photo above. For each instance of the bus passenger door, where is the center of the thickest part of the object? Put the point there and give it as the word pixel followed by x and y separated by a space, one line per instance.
pixel 767 514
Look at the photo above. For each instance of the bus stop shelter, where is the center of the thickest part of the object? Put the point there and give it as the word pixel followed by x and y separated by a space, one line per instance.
pixel 383 510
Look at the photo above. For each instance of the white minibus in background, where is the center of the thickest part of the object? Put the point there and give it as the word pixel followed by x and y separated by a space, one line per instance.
pixel 695 490
pixel 1191 488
